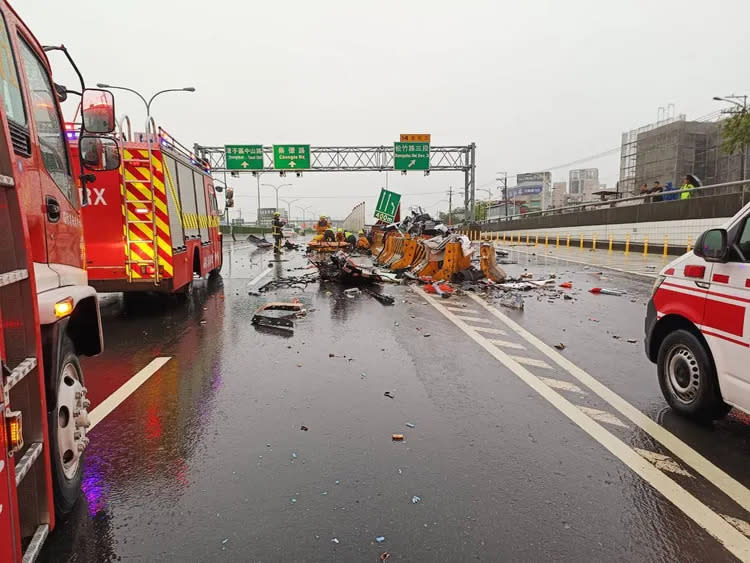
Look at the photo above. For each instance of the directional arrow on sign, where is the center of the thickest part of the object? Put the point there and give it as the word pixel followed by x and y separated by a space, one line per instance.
pixel 244 164
pixel 292 163
pixel 412 163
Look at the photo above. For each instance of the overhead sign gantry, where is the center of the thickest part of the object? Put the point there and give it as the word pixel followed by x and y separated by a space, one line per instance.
pixel 266 159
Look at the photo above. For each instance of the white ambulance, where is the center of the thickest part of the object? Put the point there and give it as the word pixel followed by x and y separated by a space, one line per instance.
pixel 698 324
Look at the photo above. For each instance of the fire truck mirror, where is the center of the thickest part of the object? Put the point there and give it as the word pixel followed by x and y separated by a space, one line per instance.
pixel 99 153
pixel 98 110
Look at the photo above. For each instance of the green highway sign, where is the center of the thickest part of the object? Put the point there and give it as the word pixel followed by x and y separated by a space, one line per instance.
pixel 291 157
pixel 387 207
pixel 411 156
pixel 243 157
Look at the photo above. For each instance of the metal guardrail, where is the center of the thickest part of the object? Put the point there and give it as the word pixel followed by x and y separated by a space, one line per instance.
pixel 739 186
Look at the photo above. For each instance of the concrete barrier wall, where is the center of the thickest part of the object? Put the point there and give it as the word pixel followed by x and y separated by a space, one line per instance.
pixel 681 221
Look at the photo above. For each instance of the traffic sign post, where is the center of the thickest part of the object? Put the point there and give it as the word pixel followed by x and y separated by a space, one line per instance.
pixel 244 157
pixel 387 207
pixel 291 157
pixel 411 156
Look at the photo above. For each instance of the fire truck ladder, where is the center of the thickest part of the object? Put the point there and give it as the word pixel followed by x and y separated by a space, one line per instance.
pixel 23 410
pixel 140 212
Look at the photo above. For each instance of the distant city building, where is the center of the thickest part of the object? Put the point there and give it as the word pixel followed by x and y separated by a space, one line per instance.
pixel 583 183
pixel 533 191
pixel 559 193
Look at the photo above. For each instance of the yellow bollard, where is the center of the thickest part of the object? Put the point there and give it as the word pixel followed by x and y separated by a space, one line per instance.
pixel 593 243
pixel 503 237
pixel 557 241
pixel 546 241
pixel 581 241
pixel 568 243
pixel 536 239
pixel 666 244
pixel 627 244
pixel 689 244
pixel 610 244
pixel 527 238
pixel 519 238
pixel 645 245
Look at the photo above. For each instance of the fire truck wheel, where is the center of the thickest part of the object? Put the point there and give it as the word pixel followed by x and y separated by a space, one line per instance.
pixel 185 292
pixel 687 377
pixel 68 420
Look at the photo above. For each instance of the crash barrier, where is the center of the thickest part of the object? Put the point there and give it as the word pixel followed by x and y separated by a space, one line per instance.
pixel 408 256
pixel 389 248
pixel 645 244
pixel 453 262
pixel 488 263
pixel 377 242
pixel 398 251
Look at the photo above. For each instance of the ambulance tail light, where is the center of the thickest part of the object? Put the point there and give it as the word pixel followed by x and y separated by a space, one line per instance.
pixel 14 427
pixel 64 308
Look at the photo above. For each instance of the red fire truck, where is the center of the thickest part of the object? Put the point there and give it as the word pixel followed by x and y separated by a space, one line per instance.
pixel 49 315
pixel 152 224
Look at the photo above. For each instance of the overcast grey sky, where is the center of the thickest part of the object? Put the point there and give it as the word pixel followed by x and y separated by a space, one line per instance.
pixel 535 84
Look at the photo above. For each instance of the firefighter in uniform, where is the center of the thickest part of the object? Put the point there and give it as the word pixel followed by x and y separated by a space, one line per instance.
pixel 351 239
pixel 363 243
pixel 277 232
pixel 340 235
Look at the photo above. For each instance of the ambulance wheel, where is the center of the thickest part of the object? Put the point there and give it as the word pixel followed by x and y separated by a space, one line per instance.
pixel 687 377
pixel 67 422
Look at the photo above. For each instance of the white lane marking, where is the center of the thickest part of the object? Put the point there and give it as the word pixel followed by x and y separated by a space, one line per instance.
pixel 125 390
pixel 489 330
pixel 741 525
pixel 504 343
pixel 473 319
pixel 725 533
pixel 460 308
pixel 680 449
pixel 532 362
pixel 603 416
pixel 563 385
pixel 663 462
pixel 260 276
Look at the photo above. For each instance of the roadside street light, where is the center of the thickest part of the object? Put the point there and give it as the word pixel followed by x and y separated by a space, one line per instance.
pixel 289 207
pixel 277 188
pixel 743 109
pixel 304 210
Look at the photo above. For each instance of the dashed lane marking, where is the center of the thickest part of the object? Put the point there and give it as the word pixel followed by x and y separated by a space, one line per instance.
pixel 563 385
pixel 125 390
pixel 260 276
pixel 490 330
pixel 460 308
pixel 726 483
pixel 663 462
pixel 470 319
pixel 532 362
pixel 505 343
pixel 726 534
pixel 603 416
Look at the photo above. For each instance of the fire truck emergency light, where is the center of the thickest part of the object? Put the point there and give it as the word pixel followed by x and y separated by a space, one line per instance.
pixel 14 423
pixel 64 308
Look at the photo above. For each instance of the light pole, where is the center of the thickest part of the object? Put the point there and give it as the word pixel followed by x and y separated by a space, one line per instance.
pixel 277 188
pixel 489 198
pixel 149 123
pixel 304 210
pixel 743 110
pixel 289 206
pixel 504 178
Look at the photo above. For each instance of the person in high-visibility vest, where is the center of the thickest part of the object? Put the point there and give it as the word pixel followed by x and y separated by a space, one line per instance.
pixel 277 232
pixel 340 235
pixel 686 188
pixel 350 238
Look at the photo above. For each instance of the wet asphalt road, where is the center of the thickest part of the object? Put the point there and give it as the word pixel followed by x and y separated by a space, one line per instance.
pixel 207 460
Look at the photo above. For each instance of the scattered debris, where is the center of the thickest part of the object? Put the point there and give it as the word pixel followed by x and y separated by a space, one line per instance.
pixel 397 437
pixel 560 346
pixel 389 395
pixel 278 314
pixel 380 539
pixel 340 268
pixel 567 285
pixel 294 282
pixel 384 299
pixel 335 540
pixel 512 301
pixel 259 242
pixel 415 499
pixel 352 292
pixel 411 425
pixel 605 291
pixel 304 428
pixel 385 555
pixel 632 341
pixel 442 289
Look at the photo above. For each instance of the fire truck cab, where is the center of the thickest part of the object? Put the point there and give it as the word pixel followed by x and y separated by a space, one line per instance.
pixel 152 224
pixel 698 324
pixel 49 315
